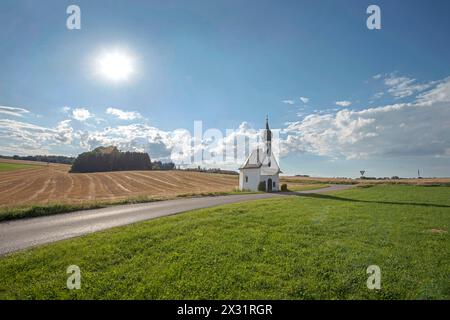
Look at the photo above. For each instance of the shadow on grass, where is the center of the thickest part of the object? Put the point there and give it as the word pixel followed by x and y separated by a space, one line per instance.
pixel 331 197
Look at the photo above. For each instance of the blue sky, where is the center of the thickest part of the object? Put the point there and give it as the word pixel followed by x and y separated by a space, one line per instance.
pixel 375 99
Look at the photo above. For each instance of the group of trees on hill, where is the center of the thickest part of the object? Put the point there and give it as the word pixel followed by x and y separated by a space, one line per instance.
pixel 111 159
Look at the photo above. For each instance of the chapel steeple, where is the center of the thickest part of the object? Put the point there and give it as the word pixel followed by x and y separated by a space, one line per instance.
pixel 268 138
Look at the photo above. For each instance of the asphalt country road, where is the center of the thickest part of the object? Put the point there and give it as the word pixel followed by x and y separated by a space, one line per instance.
pixel 21 234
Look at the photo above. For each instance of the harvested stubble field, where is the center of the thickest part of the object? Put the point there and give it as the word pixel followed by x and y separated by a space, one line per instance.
pixel 53 183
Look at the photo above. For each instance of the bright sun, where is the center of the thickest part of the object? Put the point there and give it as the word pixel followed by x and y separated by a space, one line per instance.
pixel 115 66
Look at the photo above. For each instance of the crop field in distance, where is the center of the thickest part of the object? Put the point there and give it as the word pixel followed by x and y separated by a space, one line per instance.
pixel 42 184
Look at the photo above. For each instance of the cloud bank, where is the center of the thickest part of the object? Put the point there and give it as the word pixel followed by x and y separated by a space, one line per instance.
pixel 420 128
pixel 11 111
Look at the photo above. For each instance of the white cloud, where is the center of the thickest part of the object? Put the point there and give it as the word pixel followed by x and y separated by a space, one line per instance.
pixel 402 87
pixel 304 99
pixel 378 95
pixel 13 111
pixel 377 76
pixel 236 143
pixel 291 102
pixel 124 115
pixel 421 128
pixel 441 93
pixel 343 103
pixel 134 137
pixel 26 138
pixel 178 145
pixel 81 114
pixel 64 132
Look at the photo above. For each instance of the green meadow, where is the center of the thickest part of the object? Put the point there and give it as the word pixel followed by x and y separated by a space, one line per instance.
pixel 310 246
pixel 7 166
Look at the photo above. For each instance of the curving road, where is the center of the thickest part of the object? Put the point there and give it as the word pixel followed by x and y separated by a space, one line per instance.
pixel 22 234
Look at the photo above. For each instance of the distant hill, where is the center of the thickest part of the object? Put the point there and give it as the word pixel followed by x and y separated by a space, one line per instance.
pixel 51 159
pixel 110 158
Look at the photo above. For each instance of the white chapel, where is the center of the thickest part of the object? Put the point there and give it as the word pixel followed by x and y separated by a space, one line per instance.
pixel 261 167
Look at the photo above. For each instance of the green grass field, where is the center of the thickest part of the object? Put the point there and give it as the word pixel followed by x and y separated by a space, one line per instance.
pixel 301 247
pixel 306 187
pixel 6 166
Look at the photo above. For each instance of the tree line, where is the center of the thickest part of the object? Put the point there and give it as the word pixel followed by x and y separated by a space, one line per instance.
pixel 51 159
pixel 158 165
pixel 211 170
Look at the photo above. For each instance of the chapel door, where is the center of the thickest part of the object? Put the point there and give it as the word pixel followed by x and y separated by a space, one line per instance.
pixel 269 185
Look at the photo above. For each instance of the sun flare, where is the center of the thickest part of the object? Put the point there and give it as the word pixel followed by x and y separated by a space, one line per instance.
pixel 115 66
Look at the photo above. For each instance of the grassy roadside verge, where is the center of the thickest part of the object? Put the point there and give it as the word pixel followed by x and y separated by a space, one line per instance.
pixel 306 187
